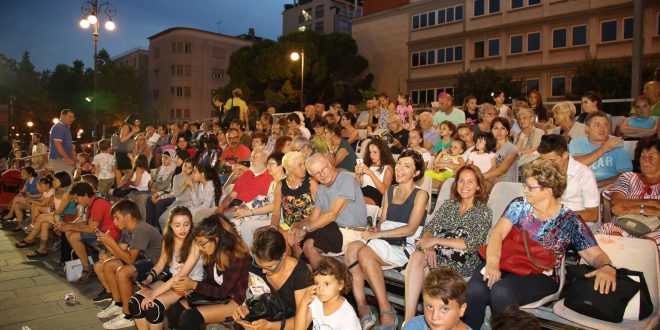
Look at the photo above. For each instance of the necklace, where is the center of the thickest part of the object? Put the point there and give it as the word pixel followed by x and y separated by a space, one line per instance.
pixel 292 185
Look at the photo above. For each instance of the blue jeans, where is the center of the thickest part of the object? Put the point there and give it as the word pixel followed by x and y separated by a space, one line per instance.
pixel 154 210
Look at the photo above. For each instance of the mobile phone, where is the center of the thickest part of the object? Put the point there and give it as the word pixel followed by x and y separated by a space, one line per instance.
pixel 359 161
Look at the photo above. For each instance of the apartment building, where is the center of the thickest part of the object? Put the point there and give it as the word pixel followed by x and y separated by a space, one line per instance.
pixel 324 16
pixel 419 46
pixel 186 65
pixel 137 59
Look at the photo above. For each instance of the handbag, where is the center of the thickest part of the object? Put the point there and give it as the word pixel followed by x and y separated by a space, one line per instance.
pixel 268 306
pixel 197 299
pixel 73 268
pixel 638 225
pixel 630 301
pixel 522 256
pixel 122 147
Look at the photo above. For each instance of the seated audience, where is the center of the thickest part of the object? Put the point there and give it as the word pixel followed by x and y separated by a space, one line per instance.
pixel 296 126
pixel 399 135
pixel 444 301
pixel 139 181
pixel 448 161
pixel 348 130
pixel 581 194
pixel 643 125
pixel 226 263
pixel 466 134
pixel 210 153
pixel 483 155
pixel 416 142
pixel 603 153
pixel 544 219
pixel 390 242
pixel 507 154
pixel 471 110
pixel 183 144
pixel 323 303
pixel 447 111
pixel 340 153
pixel 448 132
pixel 529 137
pixel 320 143
pixel 179 193
pixel 564 117
pixel 339 208
pixel 487 113
pixel 303 146
pixel 243 137
pixel 273 269
pixel 591 102
pixel 205 192
pixel 451 239
pixel 235 151
pixel 41 206
pixel 376 172
pixel 28 193
pixel 431 135
pixel 283 144
pixel 130 258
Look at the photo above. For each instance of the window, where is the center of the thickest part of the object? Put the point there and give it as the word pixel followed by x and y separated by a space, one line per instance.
pixel 559 38
pixel 516 4
pixel 658 23
pixel 479 49
pixel 534 41
pixel 558 86
pixel 479 7
pixel 188 47
pixel 415 22
pixel 494 47
pixel 218 74
pixel 441 55
pixel 579 35
pixel 343 24
pixel 415 97
pixel 430 57
pixel 319 11
pixel 608 31
pixel 444 55
pixel 533 2
pixel 628 28
pixel 458 53
pixel 431 17
pixel 318 26
pixel 494 6
pixel 415 59
pixel 458 12
pixel 533 84
pixel 442 16
pixel 154 94
pixel 176 91
pixel 422 58
pixel 516 44
pixel 423 21
pixel 449 54
pixel 450 15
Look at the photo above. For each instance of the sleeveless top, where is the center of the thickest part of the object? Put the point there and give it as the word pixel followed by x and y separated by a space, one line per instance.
pixel 401 212
pixel 196 274
pixel 297 203
pixel 368 182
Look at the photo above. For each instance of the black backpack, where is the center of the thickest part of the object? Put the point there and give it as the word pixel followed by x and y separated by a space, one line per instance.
pixel 233 113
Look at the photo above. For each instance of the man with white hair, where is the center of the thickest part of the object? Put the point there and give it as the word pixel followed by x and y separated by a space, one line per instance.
pixel 338 211
pixel 303 145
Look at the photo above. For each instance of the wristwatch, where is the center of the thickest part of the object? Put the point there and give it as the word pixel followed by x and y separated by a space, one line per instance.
pixel 305 229
pixel 642 209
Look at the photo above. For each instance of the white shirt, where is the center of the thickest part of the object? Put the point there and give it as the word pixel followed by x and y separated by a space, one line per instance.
pixel 581 188
pixel 144 181
pixel 342 319
pixel 305 132
pixel 104 162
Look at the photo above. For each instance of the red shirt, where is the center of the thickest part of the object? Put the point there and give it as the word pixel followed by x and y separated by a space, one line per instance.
pixel 240 154
pixel 248 186
pixel 99 211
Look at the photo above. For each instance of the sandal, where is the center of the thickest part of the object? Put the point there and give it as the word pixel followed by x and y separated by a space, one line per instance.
pixel 368 321
pixel 85 276
pixel 392 326
pixel 23 244
pixel 36 254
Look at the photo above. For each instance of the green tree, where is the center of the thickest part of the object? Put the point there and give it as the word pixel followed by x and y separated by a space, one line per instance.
pixel 32 102
pixel 482 82
pixel 334 71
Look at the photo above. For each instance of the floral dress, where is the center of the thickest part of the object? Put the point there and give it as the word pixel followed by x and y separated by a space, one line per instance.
pixel 297 203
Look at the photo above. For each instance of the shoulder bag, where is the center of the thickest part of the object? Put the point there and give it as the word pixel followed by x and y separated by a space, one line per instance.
pixel 522 256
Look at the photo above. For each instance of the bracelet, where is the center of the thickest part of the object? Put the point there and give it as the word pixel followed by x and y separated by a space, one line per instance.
pixel 609 265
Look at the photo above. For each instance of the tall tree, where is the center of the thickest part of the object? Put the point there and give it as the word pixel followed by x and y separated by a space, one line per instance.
pixel 482 82
pixel 32 102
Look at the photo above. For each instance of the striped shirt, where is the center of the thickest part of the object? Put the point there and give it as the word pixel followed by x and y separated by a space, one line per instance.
pixel 632 186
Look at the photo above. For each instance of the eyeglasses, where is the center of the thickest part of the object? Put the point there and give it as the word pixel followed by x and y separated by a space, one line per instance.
pixel 323 170
pixel 270 269
pixel 530 188
pixel 490 114
pixel 201 245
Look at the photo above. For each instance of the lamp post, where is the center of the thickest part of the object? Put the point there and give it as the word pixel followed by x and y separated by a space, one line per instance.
pixel 295 56
pixel 90 10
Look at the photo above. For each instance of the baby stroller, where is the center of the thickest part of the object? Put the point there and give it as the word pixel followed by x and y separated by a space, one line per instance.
pixel 10 184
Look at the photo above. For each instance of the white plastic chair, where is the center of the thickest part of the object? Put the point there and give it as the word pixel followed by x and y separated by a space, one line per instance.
pixel 616 121
pixel 554 296
pixel 372 211
pixel 634 254
pixel 445 194
pixel 630 148
pixel 500 197
pixel 362 134
pixel 426 183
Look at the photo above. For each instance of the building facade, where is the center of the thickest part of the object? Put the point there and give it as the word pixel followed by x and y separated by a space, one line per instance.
pixel 324 16
pixel 421 46
pixel 138 60
pixel 185 67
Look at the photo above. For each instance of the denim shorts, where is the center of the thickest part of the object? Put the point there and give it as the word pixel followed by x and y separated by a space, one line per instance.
pixel 89 239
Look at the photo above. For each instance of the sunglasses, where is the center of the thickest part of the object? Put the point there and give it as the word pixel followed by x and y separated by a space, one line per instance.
pixel 270 269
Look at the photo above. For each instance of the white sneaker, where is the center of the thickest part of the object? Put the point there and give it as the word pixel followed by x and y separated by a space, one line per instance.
pixel 109 311
pixel 118 322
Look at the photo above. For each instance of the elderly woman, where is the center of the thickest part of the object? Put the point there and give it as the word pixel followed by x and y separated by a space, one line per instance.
pixel 507 154
pixel 431 135
pixel 541 216
pixel 487 113
pixel 293 195
pixel 375 173
pixel 142 147
pixel 390 242
pixel 529 137
pixel 258 213
pixel 637 194
pixel 451 239
pixel 564 114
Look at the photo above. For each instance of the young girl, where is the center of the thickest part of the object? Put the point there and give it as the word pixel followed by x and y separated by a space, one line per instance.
pixel 226 263
pixel 447 131
pixel 86 167
pixel 40 206
pixel 448 161
pixel 502 109
pixel 416 142
pixel 323 303
pixel 470 109
pixel 139 181
pixel 179 257
pixel 320 142
pixel 205 189
pixel 484 156
pixel 28 193
pixel 405 111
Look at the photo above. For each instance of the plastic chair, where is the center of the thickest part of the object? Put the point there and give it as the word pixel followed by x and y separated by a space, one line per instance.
pixel 445 194
pixel 500 197
pixel 426 183
pixel 616 121
pixel 634 254
pixel 630 148
pixel 372 212
pixel 554 296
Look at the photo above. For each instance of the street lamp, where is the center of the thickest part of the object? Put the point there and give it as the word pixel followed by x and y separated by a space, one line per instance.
pixel 90 10
pixel 30 124
pixel 295 56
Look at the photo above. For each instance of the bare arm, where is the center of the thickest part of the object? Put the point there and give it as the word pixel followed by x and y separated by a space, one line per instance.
pixel 622 205
pixel 277 205
pixel 496 171
pixel 416 217
pixel 628 130
pixel 316 222
pixel 592 157
pixel 589 214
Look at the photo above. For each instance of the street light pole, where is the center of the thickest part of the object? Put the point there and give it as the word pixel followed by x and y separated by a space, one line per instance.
pixel 294 57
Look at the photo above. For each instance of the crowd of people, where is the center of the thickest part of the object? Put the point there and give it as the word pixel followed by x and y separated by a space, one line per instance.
pixel 195 222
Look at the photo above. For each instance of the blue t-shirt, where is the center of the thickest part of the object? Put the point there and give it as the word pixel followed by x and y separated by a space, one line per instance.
pixel 439 146
pixel 62 133
pixel 611 164
pixel 31 185
pixel 643 123
pixel 418 323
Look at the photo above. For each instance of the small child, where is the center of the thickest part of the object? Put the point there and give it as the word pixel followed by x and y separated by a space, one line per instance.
pixel 323 303
pixel 484 156
pixel 448 132
pixel 40 206
pixel 86 167
pixel 444 302
pixel 471 110
pixel 104 167
pixel 447 161
pixel 405 111
pixel 132 257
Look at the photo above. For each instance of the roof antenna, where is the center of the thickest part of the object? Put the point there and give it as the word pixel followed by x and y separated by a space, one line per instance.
pixel 218 24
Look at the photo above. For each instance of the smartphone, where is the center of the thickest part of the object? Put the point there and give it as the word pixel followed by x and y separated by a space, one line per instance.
pixel 359 161
pixel 435 104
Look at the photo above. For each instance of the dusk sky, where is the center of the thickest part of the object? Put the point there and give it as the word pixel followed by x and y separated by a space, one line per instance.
pixel 49 29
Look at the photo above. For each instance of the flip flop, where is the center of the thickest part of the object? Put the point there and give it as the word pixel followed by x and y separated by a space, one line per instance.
pixel 36 254
pixel 23 244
